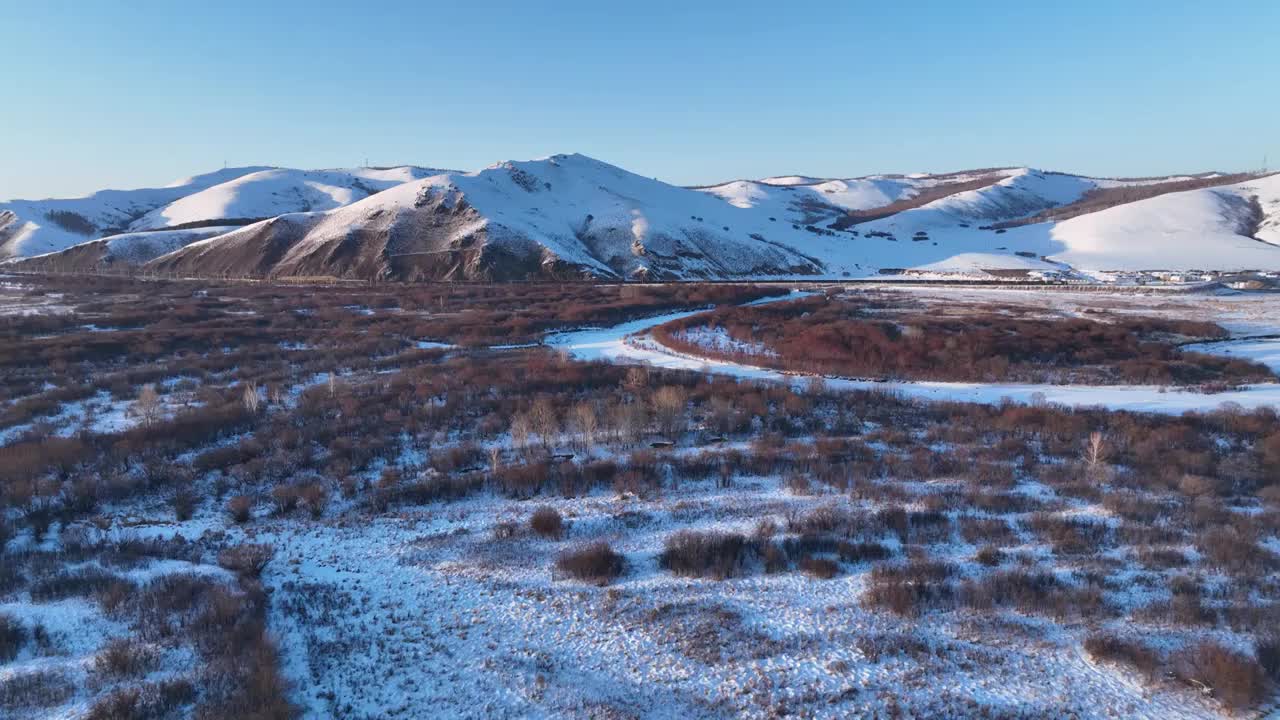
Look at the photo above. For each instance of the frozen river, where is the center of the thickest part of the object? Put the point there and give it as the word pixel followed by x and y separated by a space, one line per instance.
pixel 631 343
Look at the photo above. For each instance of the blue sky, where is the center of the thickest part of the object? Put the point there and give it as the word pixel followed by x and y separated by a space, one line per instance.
pixel 112 94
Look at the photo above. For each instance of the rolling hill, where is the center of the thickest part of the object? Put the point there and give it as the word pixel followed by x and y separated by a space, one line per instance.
pixel 32 227
pixel 570 216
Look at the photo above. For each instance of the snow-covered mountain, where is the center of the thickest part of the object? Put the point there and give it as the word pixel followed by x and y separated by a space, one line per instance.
pixel 121 253
pixel 277 191
pixel 560 217
pixel 232 196
pixel 32 227
pixel 569 216
pixel 807 200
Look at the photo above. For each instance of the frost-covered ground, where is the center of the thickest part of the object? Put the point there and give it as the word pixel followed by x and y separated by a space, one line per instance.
pixel 479 628
pixel 453 608
pixel 427 613
pixel 15 300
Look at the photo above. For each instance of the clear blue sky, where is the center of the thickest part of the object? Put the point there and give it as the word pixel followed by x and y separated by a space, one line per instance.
pixel 125 94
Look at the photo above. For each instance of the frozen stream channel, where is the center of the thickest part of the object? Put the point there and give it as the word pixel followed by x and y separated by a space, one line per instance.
pixel 630 342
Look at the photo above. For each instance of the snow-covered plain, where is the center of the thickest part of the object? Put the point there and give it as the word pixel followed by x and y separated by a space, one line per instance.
pixel 425 611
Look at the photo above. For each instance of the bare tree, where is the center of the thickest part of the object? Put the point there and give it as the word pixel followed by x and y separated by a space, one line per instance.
pixel 587 422
pixel 252 401
pixel 521 428
pixel 669 409
pixel 1096 452
pixel 545 421
pixel 629 420
pixel 637 378
pixel 721 416
pixel 147 406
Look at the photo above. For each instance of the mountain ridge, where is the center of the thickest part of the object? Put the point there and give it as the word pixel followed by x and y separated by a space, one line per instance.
pixel 574 217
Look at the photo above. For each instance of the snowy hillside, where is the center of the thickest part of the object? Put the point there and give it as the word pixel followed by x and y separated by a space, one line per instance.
pixel 563 216
pixel 569 216
pixel 1227 228
pixel 121 252
pixel 813 202
pixel 805 200
pixel 278 191
pixel 32 227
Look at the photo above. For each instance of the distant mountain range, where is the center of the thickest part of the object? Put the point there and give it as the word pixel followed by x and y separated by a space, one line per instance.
pixel 573 217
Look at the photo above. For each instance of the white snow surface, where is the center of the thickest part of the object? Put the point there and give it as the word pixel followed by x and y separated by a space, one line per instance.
pixel 29 227
pixel 136 248
pixel 277 191
pixel 1196 229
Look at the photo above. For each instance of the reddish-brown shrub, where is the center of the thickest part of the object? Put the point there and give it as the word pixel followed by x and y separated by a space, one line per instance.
pixel 910 589
pixel 124 658
pixel 547 522
pixel 240 508
pixel 855 552
pixel 717 555
pixel 1235 678
pixel 989 555
pixel 594 562
pixel 819 567
pixel 1105 646
pixel 248 560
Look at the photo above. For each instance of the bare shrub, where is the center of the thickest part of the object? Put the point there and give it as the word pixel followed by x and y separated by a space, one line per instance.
pixel 818 567
pixel 184 504
pixel 285 498
pixel 248 560
pixel 1227 549
pixel 856 552
pixel 910 589
pixel 1032 592
pixel 775 558
pixel 82 582
pixel 1068 535
pixel 986 531
pixel 124 658
pixel 546 522
pixel 989 555
pixel 240 508
pixel 13 635
pixel 1234 678
pixel 119 704
pixel 315 497
pixel 717 555
pixel 595 562
pixel 1162 558
pixel 37 689
pixel 150 700
pixel 1105 646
